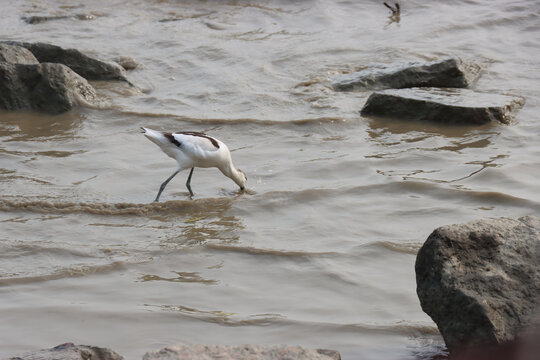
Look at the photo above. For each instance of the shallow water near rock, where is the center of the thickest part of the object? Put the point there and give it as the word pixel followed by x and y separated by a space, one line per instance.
pixel 320 251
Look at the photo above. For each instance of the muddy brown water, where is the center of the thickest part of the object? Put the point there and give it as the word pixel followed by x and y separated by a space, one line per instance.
pixel 320 250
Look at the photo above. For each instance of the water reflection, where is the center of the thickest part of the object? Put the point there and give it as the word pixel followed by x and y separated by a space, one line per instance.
pixel 433 152
pixel 396 134
pixel 29 126
pixel 379 127
pixel 207 221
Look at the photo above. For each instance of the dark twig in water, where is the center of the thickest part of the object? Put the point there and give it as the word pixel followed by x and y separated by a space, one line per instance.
pixel 395 11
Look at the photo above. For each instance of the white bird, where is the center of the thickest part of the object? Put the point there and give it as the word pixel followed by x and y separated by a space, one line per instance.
pixel 194 149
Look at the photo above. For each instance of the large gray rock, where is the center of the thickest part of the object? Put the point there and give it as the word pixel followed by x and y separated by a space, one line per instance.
pixel 447 72
pixel 50 88
pixel 87 67
pixel 16 55
pixel 480 281
pixel 70 351
pixel 244 352
pixel 458 106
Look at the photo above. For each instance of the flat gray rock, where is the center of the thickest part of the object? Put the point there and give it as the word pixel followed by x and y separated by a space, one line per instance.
pixel 69 351
pixel 480 281
pixel 16 55
pixel 458 106
pixel 444 73
pixel 89 68
pixel 49 88
pixel 243 352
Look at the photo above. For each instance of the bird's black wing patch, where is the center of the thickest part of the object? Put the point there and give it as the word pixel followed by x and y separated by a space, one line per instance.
pixel 199 134
pixel 172 139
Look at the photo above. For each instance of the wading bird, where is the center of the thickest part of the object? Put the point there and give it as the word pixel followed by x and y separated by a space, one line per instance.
pixel 194 149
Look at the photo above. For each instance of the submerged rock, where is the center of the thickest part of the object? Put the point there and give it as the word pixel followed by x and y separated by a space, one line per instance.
pixel 244 352
pixel 480 281
pixel 458 106
pixel 448 72
pixel 87 67
pixel 69 351
pixel 16 55
pixel 126 62
pixel 41 19
pixel 50 88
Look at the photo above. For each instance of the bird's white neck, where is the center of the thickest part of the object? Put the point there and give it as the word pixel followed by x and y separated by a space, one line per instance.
pixel 235 175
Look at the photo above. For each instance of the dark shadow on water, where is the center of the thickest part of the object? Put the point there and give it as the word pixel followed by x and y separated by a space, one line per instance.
pixel 380 126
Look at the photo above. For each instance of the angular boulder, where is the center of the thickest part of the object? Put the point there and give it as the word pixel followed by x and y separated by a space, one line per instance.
pixel 457 106
pixel 69 351
pixel 16 55
pixel 449 72
pixel 87 67
pixel 243 352
pixel 49 88
pixel 480 281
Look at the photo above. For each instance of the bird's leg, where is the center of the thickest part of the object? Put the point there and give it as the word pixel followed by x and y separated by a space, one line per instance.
pixel 188 183
pixel 162 187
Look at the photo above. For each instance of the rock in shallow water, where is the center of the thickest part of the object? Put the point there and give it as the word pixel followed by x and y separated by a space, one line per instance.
pixel 126 62
pixel 457 106
pixel 89 68
pixel 70 351
pixel 41 19
pixel 448 72
pixel 16 55
pixel 480 281
pixel 50 88
pixel 244 352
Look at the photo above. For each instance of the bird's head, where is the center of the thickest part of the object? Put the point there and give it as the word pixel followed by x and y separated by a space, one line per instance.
pixel 243 179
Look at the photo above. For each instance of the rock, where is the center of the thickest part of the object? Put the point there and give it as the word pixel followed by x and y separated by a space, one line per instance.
pixel 89 68
pixel 50 88
pixel 243 352
pixel 480 281
pixel 16 55
pixel 126 62
pixel 447 72
pixel 458 106
pixel 69 351
pixel 41 19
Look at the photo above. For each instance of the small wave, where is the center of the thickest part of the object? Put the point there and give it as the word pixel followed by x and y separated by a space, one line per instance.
pixel 399 328
pixel 233 319
pixel 236 121
pixel 185 277
pixel 220 317
pixel 64 273
pixel 406 247
pixel 175 207
pixel 267 252
pixel 19 250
